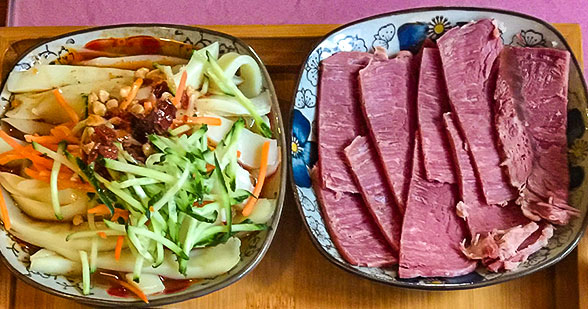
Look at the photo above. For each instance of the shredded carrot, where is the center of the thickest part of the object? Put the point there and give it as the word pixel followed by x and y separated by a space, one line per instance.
pixel 151 209
pixel 238 154
pixel 61 131
pixel 148 107
pixel 99 210
pixel 118 248
pixel 180 90
pixel 4 211
pixel 26 151
pixel 211 121
pixel 8 157
pixel 134 89
pixel 68 109
pixel 260 180
pixel 204 203
pixel 209 168
pixel 135 290
pixel 120 213
pixel 12 143
pixel 63 183
pixel 49 139
pixel 102 235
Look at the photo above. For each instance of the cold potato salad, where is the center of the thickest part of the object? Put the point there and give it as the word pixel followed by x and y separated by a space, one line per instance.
pixel 148 166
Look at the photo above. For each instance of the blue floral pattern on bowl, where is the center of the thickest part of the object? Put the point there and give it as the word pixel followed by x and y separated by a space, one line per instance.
pixel 303 151
pixel 407 30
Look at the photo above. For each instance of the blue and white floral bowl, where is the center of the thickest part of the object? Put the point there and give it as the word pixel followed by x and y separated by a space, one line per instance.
pixel 406 30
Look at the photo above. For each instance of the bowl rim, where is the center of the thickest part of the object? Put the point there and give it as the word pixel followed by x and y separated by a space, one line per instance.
pixel 183 295
pixel 408 285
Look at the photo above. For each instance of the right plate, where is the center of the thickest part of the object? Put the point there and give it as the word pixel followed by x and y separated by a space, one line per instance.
pixel 405 30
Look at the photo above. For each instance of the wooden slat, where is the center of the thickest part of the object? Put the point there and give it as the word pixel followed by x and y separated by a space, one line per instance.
pixel 7 283
pixel 293 274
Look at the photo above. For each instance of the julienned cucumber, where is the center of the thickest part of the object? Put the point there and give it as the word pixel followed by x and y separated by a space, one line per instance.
pixel 91 178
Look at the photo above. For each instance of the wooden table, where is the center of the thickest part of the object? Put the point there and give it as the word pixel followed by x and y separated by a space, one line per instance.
pixel 293 274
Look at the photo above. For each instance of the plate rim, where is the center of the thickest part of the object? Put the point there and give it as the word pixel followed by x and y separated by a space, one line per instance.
pixel 184 295
pixel 442 287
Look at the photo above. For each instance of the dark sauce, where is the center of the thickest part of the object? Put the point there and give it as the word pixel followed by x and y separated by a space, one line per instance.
pixel 109 280
pixel 128 46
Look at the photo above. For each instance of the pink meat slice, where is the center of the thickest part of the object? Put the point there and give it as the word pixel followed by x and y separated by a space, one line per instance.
pixel 387 91
pixel 500 236
pixel 362 158
pixel 352 228
pixel 480 217
pixel 339 117
pixel 468 54
pixel 431 232
pixel 538 240
pixel 432 102
pixel 531 111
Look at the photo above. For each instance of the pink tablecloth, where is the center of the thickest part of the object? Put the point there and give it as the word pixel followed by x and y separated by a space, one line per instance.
pixel 210 12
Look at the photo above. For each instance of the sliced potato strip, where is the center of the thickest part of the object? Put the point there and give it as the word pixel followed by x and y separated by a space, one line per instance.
pixel 248 69
pixel 133 62
pixel 45 77
pixel 29 126
pixel 227 106
pixel 44 106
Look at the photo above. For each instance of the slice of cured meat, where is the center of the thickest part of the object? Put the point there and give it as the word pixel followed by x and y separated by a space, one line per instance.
pixel 500 236
pixel 388 88
pixel 468 55
pixel 481 218
pixel 432 231
pixel 432 102
pixel 376 193
pixel 531 111
pixel 339 117
pixel 353 230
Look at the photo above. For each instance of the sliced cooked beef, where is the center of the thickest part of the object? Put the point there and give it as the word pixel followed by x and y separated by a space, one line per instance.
pixel 531 112
pixel 538 240
pixel 431 232
pixel 339 117
pixel 468 54
pixel 352 228
pixel 362 158
pixel 481 218
pixel 432 102
pixel 496 232
pixel 157 121
pixel 388 89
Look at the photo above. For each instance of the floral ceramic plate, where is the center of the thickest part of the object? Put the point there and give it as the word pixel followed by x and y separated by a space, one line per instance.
pixel 253 248
pixel 405 30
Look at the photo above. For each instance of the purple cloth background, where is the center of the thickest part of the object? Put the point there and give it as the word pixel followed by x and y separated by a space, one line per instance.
pixel 215 12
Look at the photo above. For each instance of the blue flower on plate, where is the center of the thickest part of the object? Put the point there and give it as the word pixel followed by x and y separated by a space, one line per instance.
pixel 412 35
pixel 304 152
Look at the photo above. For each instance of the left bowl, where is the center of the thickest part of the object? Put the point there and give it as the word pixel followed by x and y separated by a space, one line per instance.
pixel 16 257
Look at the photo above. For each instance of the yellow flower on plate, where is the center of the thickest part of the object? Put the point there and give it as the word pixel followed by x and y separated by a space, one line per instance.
pixel 578 152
